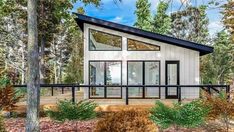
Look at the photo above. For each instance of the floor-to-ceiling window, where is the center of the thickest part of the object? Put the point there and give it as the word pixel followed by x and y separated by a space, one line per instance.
pixel 105 73
pixel 144 73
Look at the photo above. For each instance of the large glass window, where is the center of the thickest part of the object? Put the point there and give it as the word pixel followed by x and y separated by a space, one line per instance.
pixel 144 73
pixel 135 77
pixel 104 41
pixel 105 73
pixel 141 46
pixel 152 78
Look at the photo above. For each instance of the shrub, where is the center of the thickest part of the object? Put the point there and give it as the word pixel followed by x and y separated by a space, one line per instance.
pixel 193 114
pixel 126 120
pixel 2 127
pixel 69 110
pixel 8 95
pixel 221 108
pixel 180 115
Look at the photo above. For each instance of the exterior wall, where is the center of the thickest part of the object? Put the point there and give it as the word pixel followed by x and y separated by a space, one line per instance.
pixel 189 60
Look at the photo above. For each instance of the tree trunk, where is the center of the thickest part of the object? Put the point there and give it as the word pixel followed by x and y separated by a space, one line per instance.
pixel 33 84
pixel 42 60
pixel 42 47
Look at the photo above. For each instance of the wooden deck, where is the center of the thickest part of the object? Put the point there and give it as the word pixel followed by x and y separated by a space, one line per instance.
pixel 104 104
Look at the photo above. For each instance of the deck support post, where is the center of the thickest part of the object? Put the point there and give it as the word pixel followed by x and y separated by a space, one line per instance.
pixel 179 94
pixel 73 94
pixel 228 92
pixel 126 95
pixel 62 90
pixel 52 91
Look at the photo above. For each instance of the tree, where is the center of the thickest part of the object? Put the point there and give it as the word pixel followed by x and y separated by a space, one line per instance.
pixel 162 22
pixel 33 80
pixel 228 19
pixel 218 66
pixel 191 24
pixel 143 15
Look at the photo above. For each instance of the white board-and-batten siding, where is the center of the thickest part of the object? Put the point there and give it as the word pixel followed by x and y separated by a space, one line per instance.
pixel 188 59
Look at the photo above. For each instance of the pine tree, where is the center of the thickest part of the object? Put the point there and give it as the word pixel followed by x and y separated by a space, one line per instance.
pixel 218 67
pixel 228 18
pixel 143 15
pixel 162 22
pixel 191 24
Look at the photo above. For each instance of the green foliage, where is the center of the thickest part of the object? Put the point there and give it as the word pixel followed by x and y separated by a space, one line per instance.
pixel 2 127
pixel 228 19
pixel 192 114
pixel 143 15
pixel 162 22
pixel 180 115
pixel 67 110
pixel 163 115
pixel 218 67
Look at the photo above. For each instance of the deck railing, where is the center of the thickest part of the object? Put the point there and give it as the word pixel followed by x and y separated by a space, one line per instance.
pixel 211 89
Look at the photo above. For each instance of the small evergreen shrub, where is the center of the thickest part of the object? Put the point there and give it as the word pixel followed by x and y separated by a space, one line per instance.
pixel 188 115
pixel 131 120
pixel 68 110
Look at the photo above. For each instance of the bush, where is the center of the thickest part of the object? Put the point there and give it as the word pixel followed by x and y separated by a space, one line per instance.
pixel 221 108
pixel 180 115
pixel 2 127
pixel 124 121
pixel 8 95
pixel 66 109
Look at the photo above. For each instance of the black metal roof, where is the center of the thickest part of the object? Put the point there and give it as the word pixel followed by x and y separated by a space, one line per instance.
pixel 203 49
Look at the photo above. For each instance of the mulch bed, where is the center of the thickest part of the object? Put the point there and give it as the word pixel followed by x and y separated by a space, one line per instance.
pixel 48 125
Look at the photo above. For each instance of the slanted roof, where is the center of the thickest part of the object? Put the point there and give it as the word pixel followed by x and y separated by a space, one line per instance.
pixel 203 49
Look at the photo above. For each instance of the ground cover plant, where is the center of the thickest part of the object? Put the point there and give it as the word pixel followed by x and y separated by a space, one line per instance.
pixel 188 115
pixel 68 110
pixel 130 120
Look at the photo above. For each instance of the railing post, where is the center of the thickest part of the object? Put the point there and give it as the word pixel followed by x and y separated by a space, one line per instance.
pixel 52 91
pixel 73 94
pixel 62 90
pixel 209 91
pixel 228 91
pixel 179 94
pixel 127 95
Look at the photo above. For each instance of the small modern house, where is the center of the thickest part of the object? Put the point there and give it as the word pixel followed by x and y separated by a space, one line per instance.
pixel 116 54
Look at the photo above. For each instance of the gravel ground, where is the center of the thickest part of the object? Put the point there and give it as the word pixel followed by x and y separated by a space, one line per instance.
pixel 47 125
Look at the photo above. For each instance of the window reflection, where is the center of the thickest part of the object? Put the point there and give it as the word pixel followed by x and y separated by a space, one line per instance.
pixel 141 46
pixel 104 41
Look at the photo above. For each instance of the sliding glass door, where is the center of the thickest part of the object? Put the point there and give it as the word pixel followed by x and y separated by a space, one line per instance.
pixel 105 73
pixel 144 73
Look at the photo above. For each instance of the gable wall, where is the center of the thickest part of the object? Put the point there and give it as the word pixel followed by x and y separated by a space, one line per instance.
pixel 189 59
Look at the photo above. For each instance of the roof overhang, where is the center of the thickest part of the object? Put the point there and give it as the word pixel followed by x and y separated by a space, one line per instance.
pixel 203 49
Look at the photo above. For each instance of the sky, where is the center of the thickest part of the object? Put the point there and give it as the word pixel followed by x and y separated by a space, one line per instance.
pixel 123 12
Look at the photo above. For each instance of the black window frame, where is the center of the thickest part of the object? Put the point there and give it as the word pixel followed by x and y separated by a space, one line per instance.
pixel 105 88
pixel 142 42
pixel 143 78
pixel 89 34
